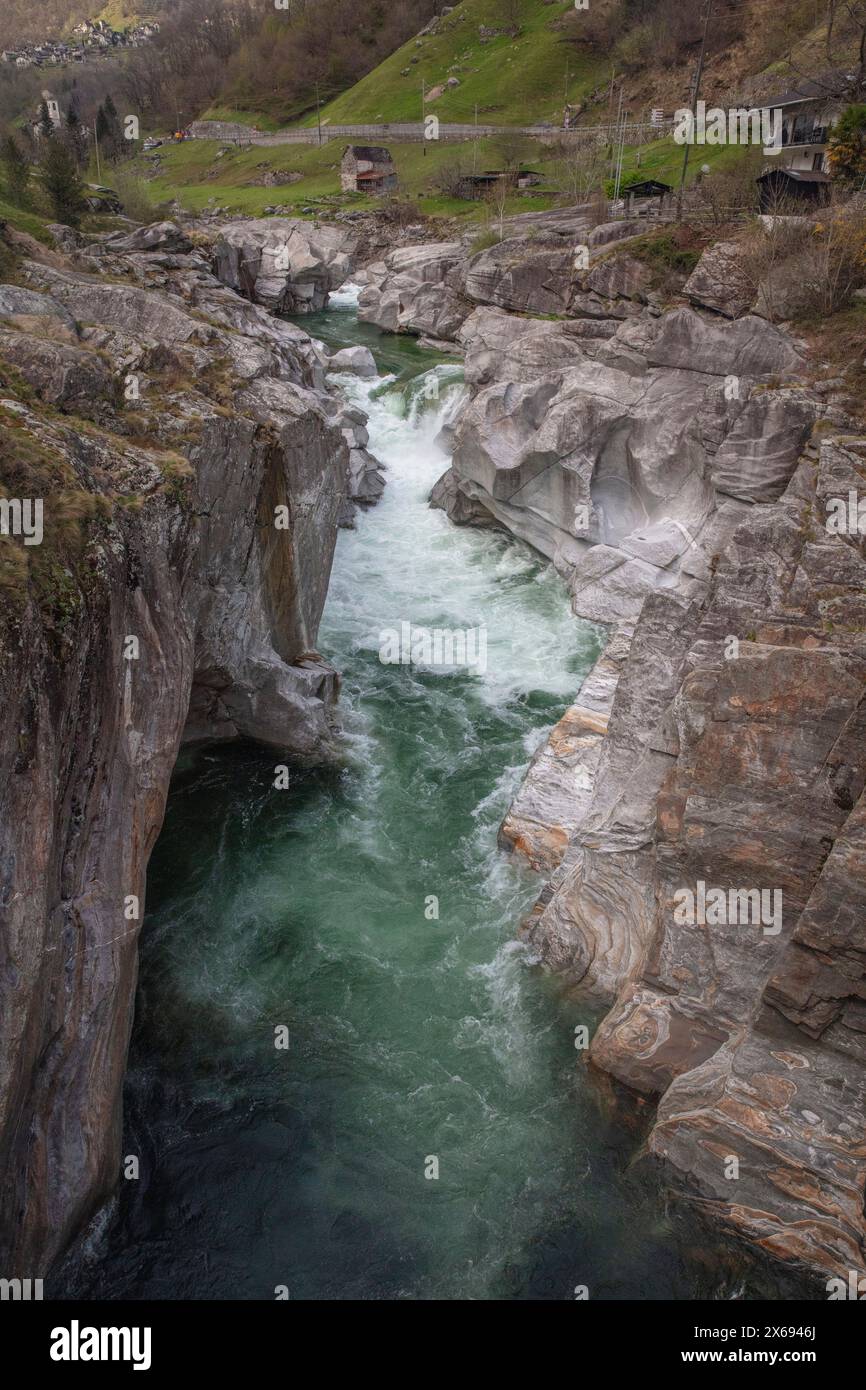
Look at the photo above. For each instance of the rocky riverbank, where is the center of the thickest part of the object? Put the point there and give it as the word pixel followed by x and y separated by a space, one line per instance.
pixel 675 458
pixel 193 468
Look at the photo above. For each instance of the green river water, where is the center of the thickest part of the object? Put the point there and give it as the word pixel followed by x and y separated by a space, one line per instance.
pixel 409 1038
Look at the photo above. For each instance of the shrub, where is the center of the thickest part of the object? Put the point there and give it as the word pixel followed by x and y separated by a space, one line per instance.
pixel 804 267
pixel 136 198
pixel 484 240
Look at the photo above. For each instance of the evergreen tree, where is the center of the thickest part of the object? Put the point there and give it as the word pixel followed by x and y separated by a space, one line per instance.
pixel 16 172
pixel 113 131
pixel 46 125
pixel 62 183
pixel 102 131
pixel 74 135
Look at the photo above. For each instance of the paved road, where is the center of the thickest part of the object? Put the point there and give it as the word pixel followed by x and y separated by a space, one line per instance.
pixel 412 131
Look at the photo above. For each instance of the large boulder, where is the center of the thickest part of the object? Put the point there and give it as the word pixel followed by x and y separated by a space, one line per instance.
pixel 416 290
pixel 523 275
pixel 289 266
pixel 717 281
pixel 358 361
pixel 157 236
pixel 499 345
pixel 33 312
pixel 682 338
pixel 66 376
pixel 758 457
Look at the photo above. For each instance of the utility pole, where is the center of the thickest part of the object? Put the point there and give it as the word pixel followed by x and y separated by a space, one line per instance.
pixel 614 146
pixel 698 76
pixel 423 104
pixel 318 113
pixel 621 122
pixel 475 143
pixel 610 105
pixel 96 144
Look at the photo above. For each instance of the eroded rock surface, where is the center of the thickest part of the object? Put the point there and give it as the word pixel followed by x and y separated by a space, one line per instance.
pixel 289 266
pixel 193 473
pixel 740 766
pixel 668 461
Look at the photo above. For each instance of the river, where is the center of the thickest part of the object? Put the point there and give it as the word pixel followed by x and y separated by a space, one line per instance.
pixel 308 1170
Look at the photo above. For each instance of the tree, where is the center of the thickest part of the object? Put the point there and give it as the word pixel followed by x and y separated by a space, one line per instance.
pixel 62 183
pixel 846 27
pixel 496 199
pixel 16 172
pixel 580 167
pixel 101 128
pixel 511 150
pixel 450 178
pixel 846 153
pixel 46 125
pixel 74 135
pixel 108 130
pixel 732 188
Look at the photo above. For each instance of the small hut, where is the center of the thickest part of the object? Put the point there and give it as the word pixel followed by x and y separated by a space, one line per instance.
pixel 652 193
pixel 367 169
pixel 792 187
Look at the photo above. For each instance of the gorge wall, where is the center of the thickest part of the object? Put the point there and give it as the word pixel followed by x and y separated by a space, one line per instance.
pixel 673 455
pixel 676 456
pixel 193 470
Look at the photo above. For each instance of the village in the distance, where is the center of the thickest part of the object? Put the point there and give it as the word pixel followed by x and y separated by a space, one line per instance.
pixel 92 38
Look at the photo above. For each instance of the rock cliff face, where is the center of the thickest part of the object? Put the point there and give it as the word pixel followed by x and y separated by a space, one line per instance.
pixel 734 756
pixel 192 471
pixel 287 265
pixel 676 467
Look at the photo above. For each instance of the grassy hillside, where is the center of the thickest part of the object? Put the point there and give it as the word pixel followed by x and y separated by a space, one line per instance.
pixel 511 80
pixel 205 173
pixel 199 176
pixel 526 76
pixel 22 221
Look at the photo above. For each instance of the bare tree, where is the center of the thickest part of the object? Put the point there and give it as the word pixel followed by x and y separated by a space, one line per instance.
pixel 580 168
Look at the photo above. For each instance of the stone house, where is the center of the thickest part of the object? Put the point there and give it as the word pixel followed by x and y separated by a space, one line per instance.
pixel 367 169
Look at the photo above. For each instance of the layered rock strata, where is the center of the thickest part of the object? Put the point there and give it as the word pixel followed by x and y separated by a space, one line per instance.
pixel 677 467
pixel 192 471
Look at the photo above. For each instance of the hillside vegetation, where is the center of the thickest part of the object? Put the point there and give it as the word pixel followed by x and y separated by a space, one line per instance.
pixel 520 61
pixel 513 78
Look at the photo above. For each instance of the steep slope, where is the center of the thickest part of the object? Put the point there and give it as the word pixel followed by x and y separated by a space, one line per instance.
pixel 512 77
pixel 192 471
